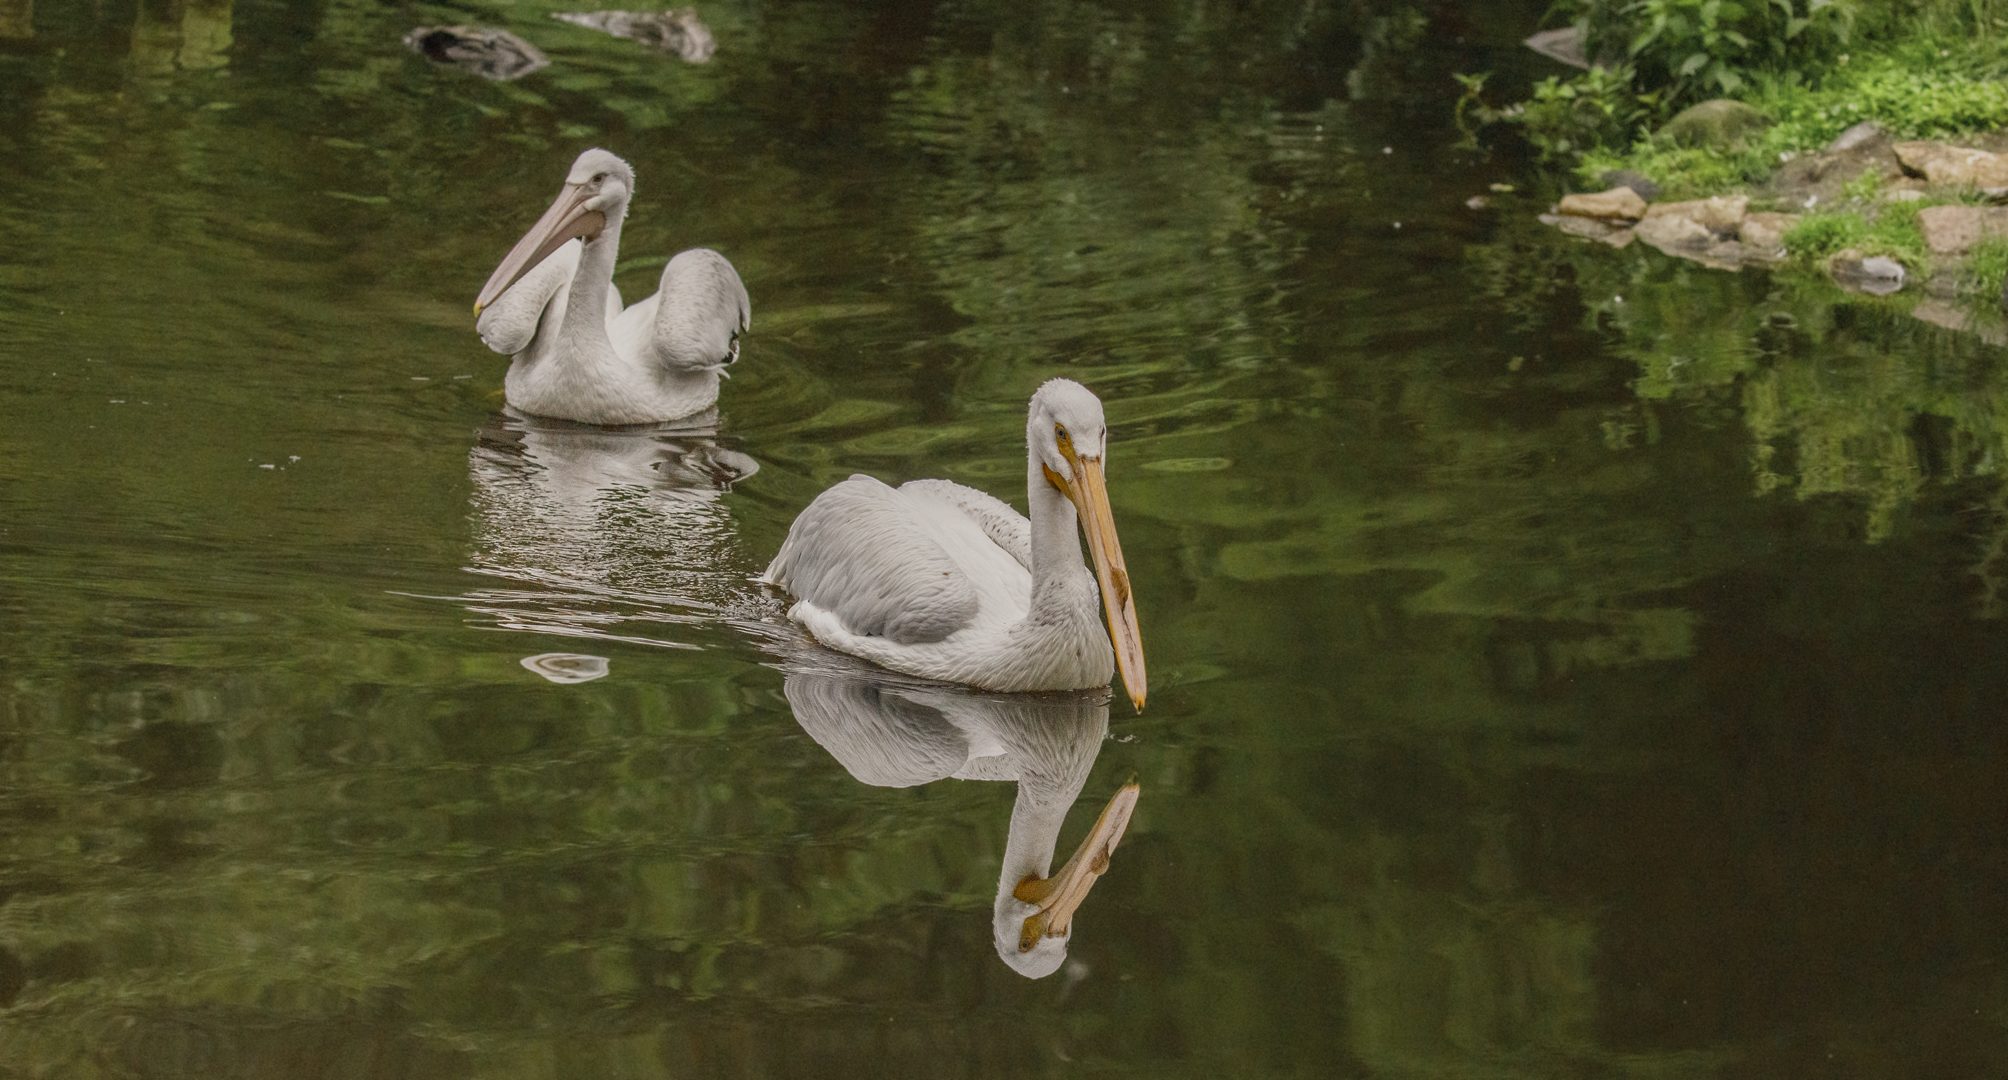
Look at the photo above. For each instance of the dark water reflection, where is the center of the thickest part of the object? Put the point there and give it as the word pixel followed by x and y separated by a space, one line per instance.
pixel 1565 661
pixel 898 733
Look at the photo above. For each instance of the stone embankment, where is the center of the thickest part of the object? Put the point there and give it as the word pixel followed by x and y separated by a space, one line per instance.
pixel 1863 171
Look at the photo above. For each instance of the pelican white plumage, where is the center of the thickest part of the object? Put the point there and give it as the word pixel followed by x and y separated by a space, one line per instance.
pixel 891 732
pixel 936 579
pixel 577 353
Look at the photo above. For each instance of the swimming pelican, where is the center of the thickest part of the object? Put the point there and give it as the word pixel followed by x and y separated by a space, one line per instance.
pixel 891 733
pixel 577 355
pixel 947 582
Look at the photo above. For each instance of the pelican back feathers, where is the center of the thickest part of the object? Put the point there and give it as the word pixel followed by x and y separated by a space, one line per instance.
pixel 860 553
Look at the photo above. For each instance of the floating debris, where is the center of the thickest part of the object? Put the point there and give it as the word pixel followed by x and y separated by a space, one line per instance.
pixel 676 32
pixel 567 667
pixel 491 54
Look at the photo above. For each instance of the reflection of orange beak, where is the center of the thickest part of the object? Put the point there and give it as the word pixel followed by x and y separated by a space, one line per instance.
pixel 567 218
pixel 1059 896
pixel 1089 492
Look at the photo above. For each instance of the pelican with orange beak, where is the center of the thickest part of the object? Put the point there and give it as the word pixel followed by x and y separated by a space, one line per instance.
pixel 577 354
pixel 943 581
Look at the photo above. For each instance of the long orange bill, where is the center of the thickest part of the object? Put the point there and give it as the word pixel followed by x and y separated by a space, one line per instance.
pixel 1059 896
pixel 1090 493
pixel 567 218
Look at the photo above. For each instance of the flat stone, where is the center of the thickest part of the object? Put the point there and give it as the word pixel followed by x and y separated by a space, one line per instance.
pixel 1953 166
pixel 1619 202
pixel 1765 231
pixel 1953 230
pixel 1719 214
pixel 1597 229
pixel 1673 230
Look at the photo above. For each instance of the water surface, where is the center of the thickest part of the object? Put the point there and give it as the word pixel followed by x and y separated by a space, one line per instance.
pixel 1565 662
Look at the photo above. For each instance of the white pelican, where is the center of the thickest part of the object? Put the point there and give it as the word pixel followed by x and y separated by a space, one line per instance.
pixel 943 581
pixel 893 734
pixel 578 355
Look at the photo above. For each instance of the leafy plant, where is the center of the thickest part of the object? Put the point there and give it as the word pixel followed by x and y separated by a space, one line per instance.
pixel 1690 48
pixel 1565 117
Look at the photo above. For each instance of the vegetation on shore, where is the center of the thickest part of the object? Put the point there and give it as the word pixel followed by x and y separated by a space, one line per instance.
pixel 1919 68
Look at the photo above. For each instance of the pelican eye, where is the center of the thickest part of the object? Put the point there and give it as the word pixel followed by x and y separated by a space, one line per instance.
pixel 599 178
pixel 1060 433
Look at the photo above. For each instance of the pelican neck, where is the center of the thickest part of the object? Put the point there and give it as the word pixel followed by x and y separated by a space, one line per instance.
pixel 586 307
pixel 1056 547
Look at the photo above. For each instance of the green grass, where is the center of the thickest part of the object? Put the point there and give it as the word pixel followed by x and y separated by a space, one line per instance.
pixel 1918 89
pixel 1894 232
pixel 1988 262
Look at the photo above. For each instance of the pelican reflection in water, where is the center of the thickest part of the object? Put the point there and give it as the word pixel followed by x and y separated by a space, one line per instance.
pixel 946 582
pixel 577 354
pixel 894 732
pixel 597 529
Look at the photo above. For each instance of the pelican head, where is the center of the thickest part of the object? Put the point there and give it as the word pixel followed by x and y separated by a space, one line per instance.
pixel 594 199
pixel 1032 924
pixel 1067 435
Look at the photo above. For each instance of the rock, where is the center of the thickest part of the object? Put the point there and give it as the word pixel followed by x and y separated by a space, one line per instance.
pixel 676 32
pixel 1952 230
pixel 1672 230
pixel 1704 230
pixel 1765 231
pixel 1721 124
pixel 1620 202
pixel 1646 189
pixel 1956 316
pixel 1862 134
pixel 491 54
pixel 1877 275
pixel 1953 166
pixel 1565 46
pixel 1588 228
pixel 1696 221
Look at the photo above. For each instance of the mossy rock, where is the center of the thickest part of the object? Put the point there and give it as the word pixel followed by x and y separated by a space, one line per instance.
pixel 1720 124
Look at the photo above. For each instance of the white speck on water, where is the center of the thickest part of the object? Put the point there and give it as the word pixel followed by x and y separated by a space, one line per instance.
pixel 463 376
pixel 421 378
pixel 1387 149
pixel 1397 224
pixel 290 458
pixel 1617 299
pixel 268 466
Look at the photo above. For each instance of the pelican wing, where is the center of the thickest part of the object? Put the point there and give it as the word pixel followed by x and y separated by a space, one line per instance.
pixel 865 553
pixel 1007 528
pixel 508 325
pixel 701 308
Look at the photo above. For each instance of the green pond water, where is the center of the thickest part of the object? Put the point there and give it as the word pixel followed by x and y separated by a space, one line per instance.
pixel 1565 662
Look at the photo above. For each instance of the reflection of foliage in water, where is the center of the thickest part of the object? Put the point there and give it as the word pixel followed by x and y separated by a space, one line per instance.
pixel 269 798
pixel 1842 395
